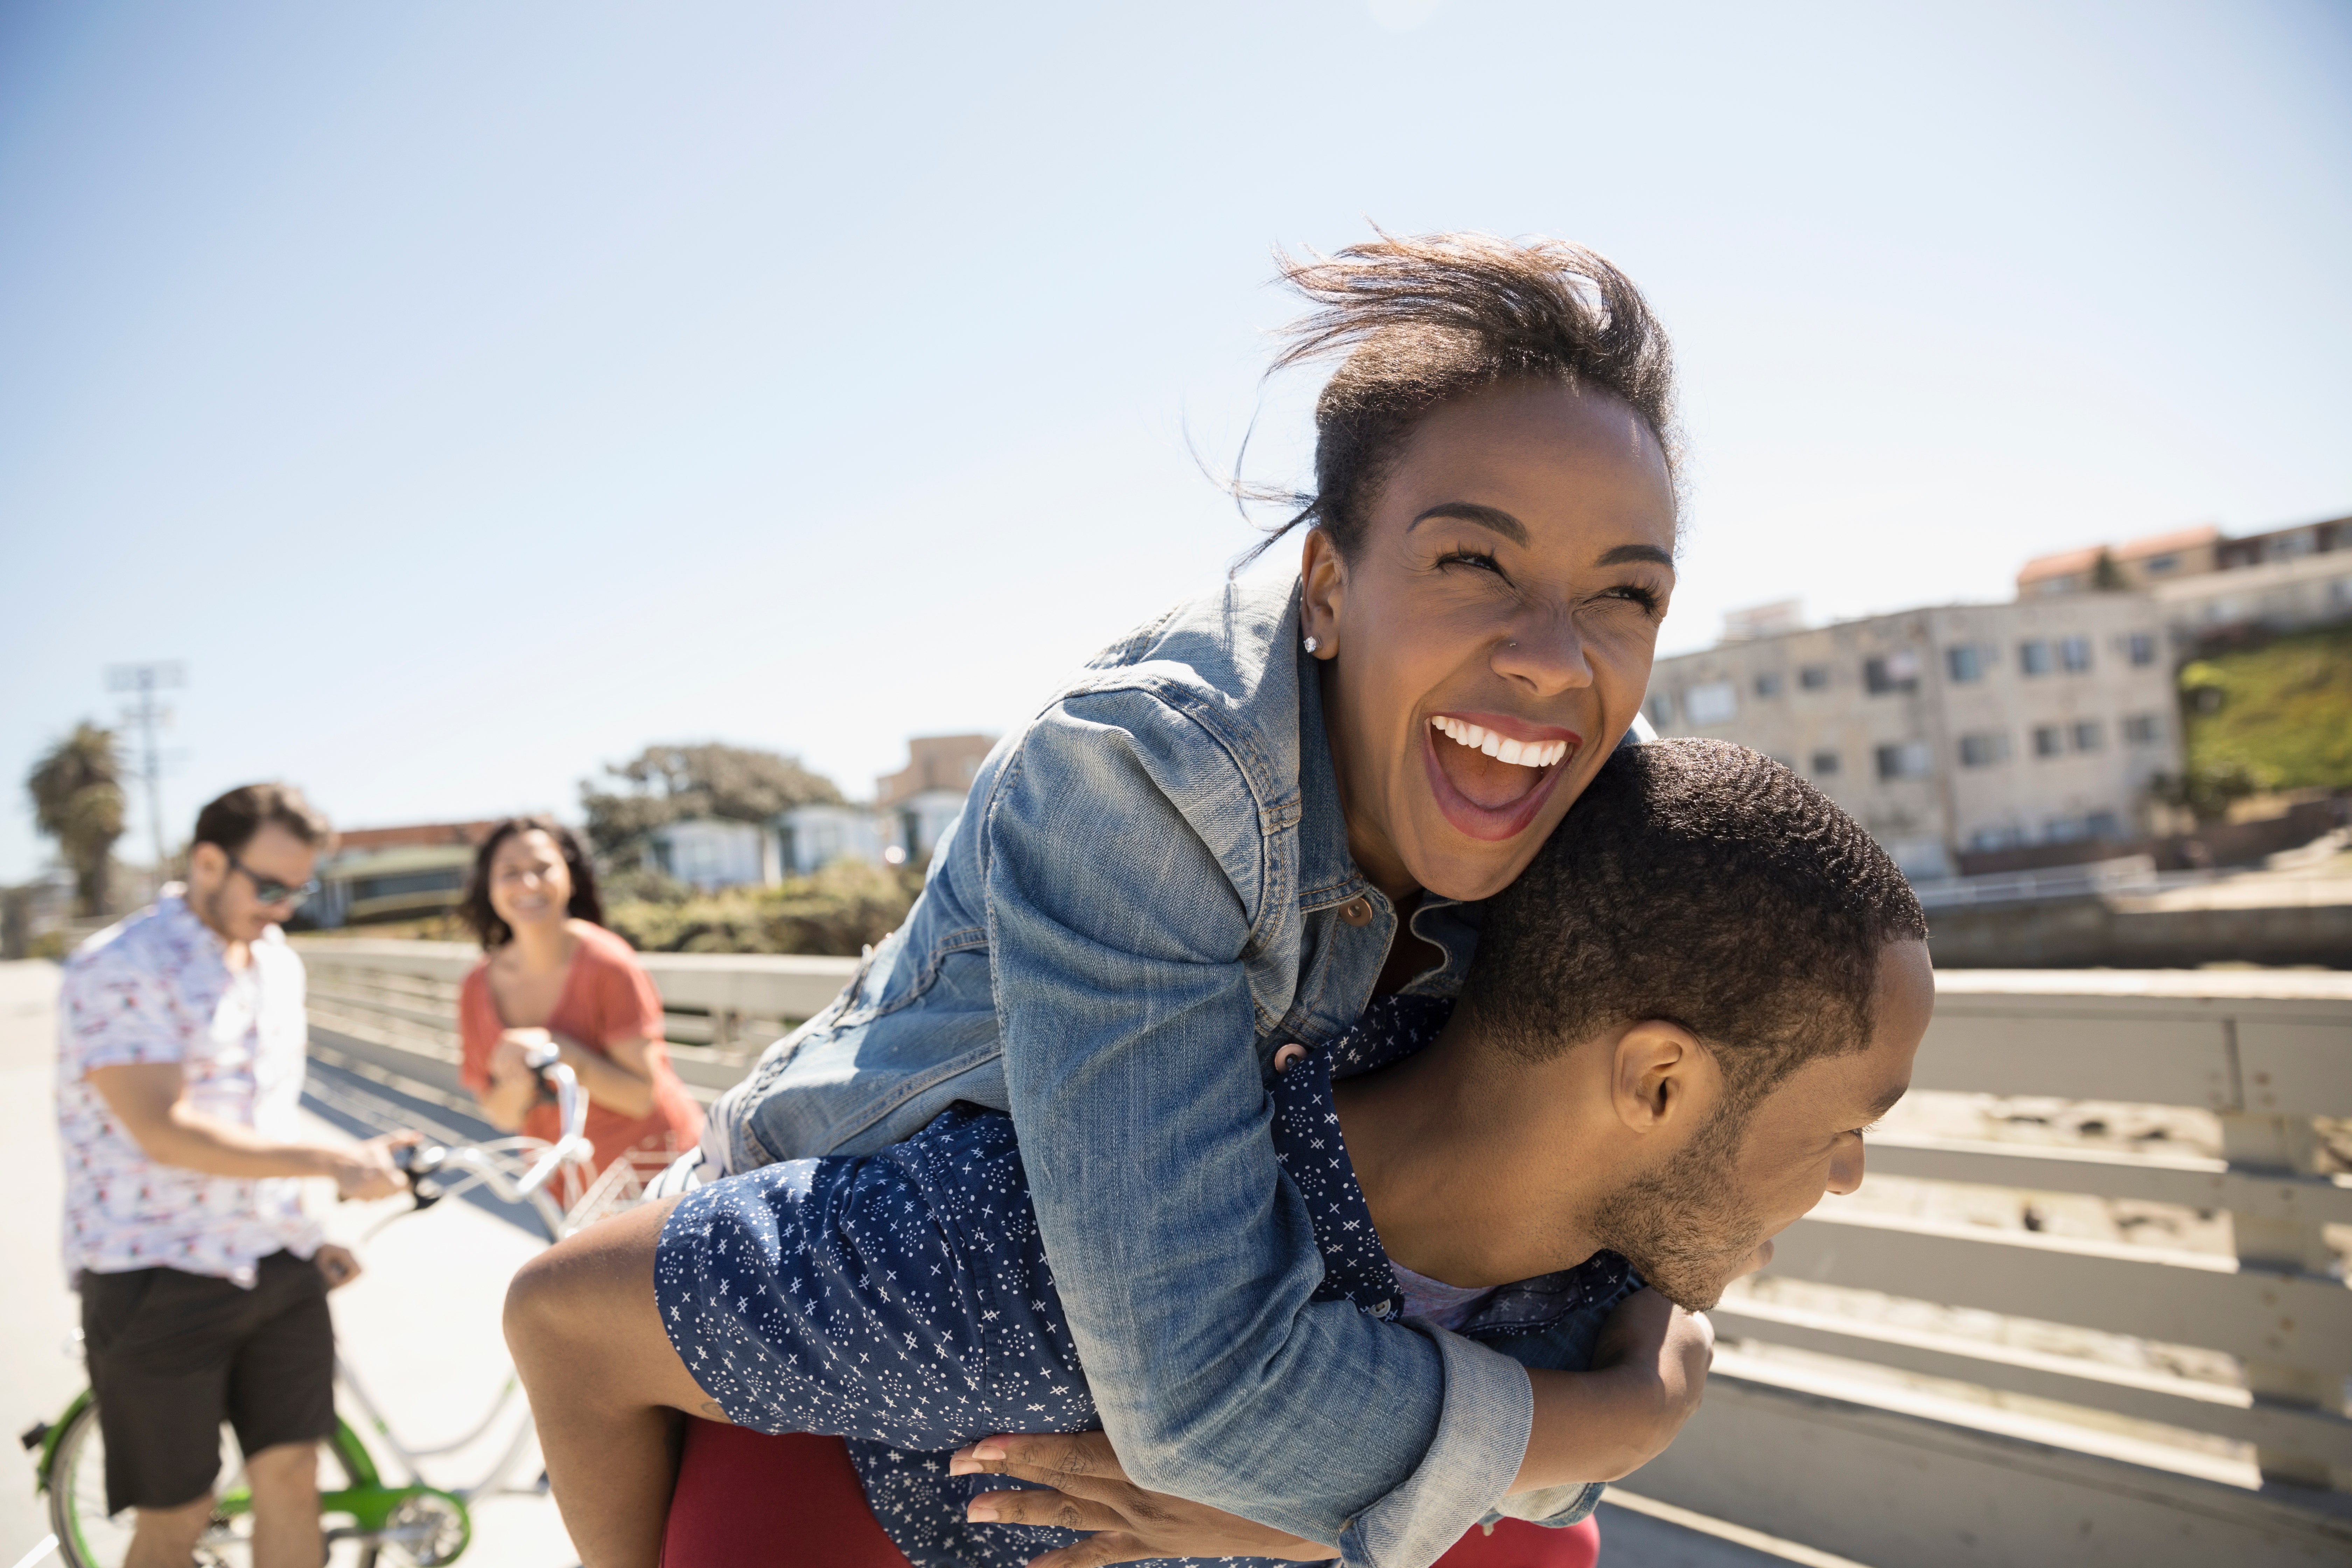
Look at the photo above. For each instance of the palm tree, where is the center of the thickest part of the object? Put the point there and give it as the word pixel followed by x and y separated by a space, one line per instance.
pixel 77 790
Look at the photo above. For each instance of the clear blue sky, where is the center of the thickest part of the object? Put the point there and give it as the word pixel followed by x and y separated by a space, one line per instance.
pixel 472 394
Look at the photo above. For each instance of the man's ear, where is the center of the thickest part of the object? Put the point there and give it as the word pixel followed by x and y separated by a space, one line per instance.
pixel 1661 1081
pixel 207 864
pixel 1323 577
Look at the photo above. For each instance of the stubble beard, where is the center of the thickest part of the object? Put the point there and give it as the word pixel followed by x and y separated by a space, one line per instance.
pixel 1685 1228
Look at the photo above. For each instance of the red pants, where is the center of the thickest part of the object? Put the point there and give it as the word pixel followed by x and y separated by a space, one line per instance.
pixel 746 1500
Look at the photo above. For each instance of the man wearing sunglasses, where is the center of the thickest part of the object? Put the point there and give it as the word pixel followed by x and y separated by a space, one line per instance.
pixel 180 1053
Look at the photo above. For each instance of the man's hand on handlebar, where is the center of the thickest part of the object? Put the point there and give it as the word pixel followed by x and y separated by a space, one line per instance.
pixel 368 1171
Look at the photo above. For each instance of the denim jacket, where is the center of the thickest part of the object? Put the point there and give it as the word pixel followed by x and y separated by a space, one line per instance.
pixel 1148 893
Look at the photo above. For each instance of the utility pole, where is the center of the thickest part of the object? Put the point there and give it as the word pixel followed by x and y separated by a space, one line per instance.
pixel 143 681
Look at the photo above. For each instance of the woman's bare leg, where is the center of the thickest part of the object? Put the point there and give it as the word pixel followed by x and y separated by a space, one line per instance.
pixel 605 1387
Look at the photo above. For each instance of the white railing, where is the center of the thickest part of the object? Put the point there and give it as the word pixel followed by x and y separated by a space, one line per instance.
pixel 2128 873
pixel 2263 1052
pixel 722 1009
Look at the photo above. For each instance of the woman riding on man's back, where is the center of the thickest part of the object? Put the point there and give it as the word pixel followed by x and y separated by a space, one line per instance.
pixel 1226 836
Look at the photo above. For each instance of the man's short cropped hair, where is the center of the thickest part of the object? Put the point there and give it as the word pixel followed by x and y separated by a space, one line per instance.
pixel 1698 883
pixel 233 819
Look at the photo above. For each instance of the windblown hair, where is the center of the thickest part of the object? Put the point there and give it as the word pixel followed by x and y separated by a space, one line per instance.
pixel 482 918
pixel 232 819
pixel 1701 883
pixel 1428 319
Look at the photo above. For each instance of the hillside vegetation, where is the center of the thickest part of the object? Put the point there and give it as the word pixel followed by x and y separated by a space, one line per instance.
pixel 2278 717
pixel 838 911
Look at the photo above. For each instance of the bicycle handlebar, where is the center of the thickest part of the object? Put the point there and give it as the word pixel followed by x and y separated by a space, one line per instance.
pixel 422 1162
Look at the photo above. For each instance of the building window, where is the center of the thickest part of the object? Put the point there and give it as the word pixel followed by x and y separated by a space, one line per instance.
pixel 2089 735
pixel 2049 740
pixel 2157 566
pixel 1717 703
pixel 2143 729
pixel 1768 684
pixel 2034 658
pixel 1966 662
pixel 1661 710
pixel 1908 760
pixel 1814 676
pixel 2143 649
pixel 1986 840
pixel 2103 825
pixel 2064 829
pixel 2074 653
pixel 1825 764
pixel 1985 750
pixel 1894 672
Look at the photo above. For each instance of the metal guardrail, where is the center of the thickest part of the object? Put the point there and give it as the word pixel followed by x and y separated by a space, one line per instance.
pixel 2264 1051
pixel 2129 874
pixel 721 1010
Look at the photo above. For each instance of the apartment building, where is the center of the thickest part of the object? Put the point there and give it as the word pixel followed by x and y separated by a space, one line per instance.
pixel 1967 729
pixel 2209 583
pixel 2134 563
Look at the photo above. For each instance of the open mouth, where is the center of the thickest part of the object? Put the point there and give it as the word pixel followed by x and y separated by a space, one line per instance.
pixel 1491 775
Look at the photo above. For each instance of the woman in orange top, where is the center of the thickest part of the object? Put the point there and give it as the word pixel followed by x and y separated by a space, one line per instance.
pixel 550 970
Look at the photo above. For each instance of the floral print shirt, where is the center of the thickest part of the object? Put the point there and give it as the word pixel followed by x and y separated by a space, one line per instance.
pixel 156 988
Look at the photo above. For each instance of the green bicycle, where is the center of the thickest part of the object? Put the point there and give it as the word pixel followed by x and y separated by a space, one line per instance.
pixel 407 1523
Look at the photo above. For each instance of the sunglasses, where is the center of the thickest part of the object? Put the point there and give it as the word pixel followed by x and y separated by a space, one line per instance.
pixel 270 890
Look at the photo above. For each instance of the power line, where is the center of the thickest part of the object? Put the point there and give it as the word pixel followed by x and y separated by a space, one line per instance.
pixel 143 680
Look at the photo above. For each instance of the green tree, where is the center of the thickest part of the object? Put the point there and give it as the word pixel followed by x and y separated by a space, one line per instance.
pixel 77 790
pixel 2106 575
pixel 678 783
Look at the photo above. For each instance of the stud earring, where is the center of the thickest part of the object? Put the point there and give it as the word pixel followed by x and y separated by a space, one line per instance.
pixel 1309 645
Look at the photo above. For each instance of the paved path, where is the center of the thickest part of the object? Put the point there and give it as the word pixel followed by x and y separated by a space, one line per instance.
pixel 419 1328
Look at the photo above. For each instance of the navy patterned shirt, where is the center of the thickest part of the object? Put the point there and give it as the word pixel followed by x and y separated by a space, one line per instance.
pixel 903 1300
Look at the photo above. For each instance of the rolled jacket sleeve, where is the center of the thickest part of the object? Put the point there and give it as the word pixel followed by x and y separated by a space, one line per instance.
pixel 1130 881
pixel 1489 1411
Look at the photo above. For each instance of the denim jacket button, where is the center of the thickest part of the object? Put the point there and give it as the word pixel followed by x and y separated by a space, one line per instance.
pixel 1357 911
pixel 1288 1055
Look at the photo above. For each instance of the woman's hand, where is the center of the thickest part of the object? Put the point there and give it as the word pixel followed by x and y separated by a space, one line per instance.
pixel 509 1058
pixel 1090 1491
pixel 514 1087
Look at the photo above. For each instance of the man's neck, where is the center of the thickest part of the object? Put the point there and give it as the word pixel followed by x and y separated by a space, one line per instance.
pixel 1467 1163
pixel 235 954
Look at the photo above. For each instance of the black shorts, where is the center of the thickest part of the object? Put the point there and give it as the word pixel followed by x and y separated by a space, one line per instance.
pixel 172 1355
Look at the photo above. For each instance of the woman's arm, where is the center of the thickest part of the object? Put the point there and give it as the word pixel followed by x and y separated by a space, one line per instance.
pixel 1185 1260
pixel 618 1078
pixel 1595 1425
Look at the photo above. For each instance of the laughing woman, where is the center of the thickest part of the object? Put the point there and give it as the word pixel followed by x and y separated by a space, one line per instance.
pixel 1238 825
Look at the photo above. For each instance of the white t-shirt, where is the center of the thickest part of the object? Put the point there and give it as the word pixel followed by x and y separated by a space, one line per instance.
pixel 155 988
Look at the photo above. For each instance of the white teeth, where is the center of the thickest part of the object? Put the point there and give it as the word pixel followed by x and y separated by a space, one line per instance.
pixel 1520 753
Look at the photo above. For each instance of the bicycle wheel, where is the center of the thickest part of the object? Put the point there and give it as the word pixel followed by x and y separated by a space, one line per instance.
pixel 88 1536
